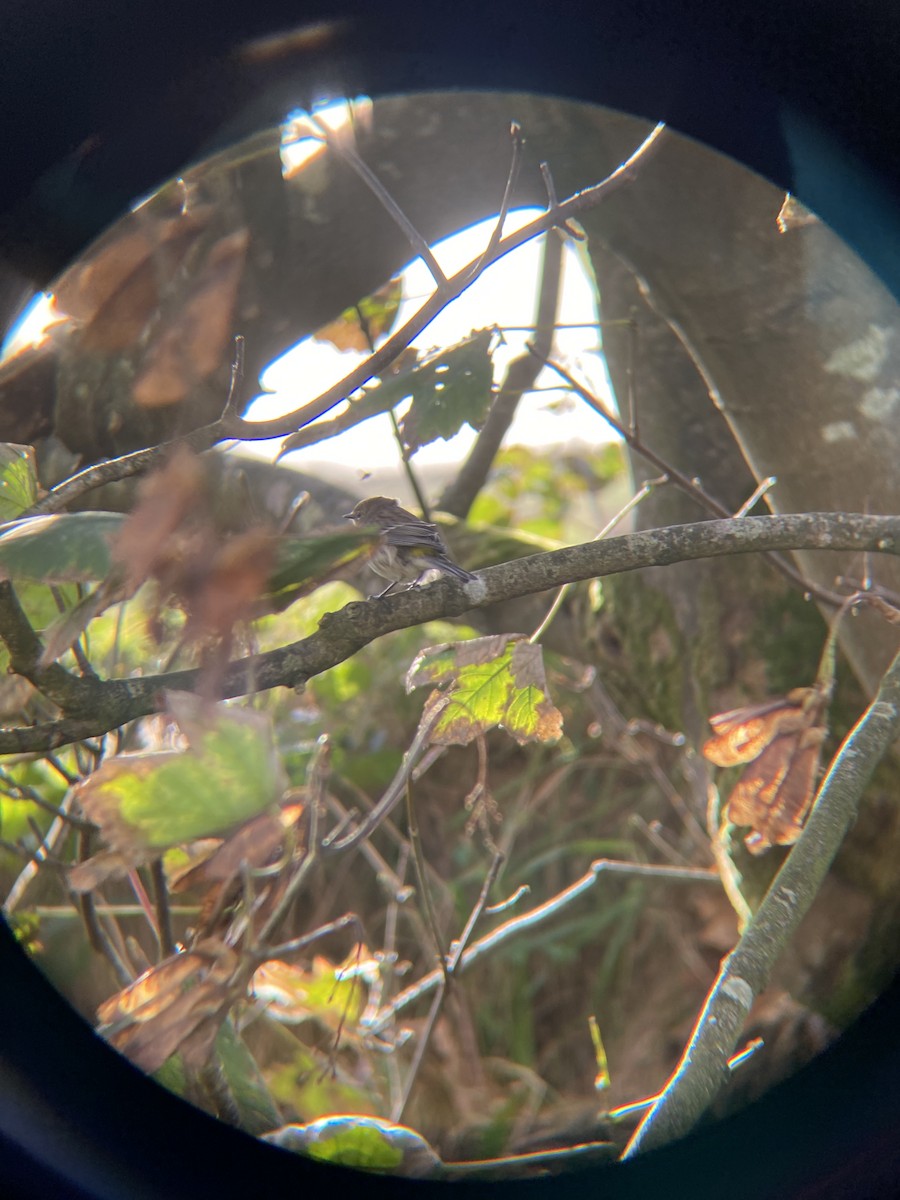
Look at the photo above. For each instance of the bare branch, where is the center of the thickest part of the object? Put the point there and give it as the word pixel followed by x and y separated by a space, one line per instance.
pixel 515 162
pixel 745 972
pixel 537 916
pixel 101 705
pixel 689 486
pixel 230 425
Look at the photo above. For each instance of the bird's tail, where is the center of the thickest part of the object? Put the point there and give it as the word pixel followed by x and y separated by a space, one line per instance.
pixel 450 568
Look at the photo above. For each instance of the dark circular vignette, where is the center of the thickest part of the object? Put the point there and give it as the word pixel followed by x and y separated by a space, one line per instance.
pixel 101 101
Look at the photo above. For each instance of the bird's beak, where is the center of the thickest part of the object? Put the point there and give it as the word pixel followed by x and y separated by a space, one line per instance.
pixel 348 516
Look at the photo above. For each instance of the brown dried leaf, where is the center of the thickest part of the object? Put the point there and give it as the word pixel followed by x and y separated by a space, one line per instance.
pixel 775 792
pixel 781 741
pixel 228 590
pixel 742 734
pixel 147 546
pixel 108 864
pixel 177 1005
pixel 258 843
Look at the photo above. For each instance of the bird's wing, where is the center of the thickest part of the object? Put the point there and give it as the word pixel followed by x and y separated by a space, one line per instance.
pixel 420 534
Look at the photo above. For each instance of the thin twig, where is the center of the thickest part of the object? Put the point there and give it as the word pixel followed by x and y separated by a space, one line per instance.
pixel 475 915
pixel 46 848
pixel 237 376
pixel 395 789
pixel 376 187
pixel 317 777
pixel 263 952
pixel 232 426
pixel 610 525
pixel 537 916
pixel 515 163
pixel 421 1046
pixel 395 424
pixel 448 967
pixel 163 910
pixel 424 890
pixel 687 485
pixel 521 375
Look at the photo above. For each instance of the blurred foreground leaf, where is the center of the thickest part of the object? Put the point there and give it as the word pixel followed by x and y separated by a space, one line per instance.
pixel 146 802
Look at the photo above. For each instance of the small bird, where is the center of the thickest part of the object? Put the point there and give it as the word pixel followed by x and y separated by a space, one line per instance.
pixel 409 546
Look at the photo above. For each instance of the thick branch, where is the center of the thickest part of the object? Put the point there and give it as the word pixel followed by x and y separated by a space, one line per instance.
pixel 105 705
pixel 745 972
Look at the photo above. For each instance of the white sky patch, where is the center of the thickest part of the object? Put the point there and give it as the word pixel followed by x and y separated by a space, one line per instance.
pixel 506 296
pixel 33 325
pixel 302 141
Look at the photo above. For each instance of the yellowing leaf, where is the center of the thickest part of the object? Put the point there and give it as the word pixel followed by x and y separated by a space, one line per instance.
pixel 332 995
pixel 367 1143
pixel 488 681
pixel 144 803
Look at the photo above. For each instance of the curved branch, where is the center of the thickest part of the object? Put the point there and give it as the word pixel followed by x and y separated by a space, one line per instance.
pixel 102 705
pixel 230 425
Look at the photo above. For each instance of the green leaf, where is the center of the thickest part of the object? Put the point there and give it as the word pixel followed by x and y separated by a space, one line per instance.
pixel 144 803
pixel 18 480
pixel 367 1143
pixel 63 548
pixel 256 1108
pixel 449 389
pixel 488 681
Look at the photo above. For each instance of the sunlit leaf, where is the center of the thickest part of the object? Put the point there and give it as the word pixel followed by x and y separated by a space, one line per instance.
pixel 18 480
pixel 333 995
pixel 361 325
pixel 488 681
pixel 780 741
pixel 366 1143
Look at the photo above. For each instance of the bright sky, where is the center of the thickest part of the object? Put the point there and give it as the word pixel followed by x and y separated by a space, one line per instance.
pixel 505 296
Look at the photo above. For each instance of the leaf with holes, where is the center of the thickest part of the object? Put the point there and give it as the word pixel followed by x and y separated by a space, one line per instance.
pixel 449 389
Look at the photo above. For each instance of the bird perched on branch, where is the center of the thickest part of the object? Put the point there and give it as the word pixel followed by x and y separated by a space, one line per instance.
pixel 409 546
